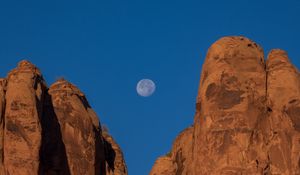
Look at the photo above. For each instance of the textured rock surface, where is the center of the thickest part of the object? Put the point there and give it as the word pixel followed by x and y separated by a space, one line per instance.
pixel 22 131
pixel 283 122
pixel 176 161
pixel 2 112
pixel 247 115
pixel 51 131
pixel 115 164
pixel 78 132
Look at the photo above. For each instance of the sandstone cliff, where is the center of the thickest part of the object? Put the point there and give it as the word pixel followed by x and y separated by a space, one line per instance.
pixel 247 117
pixel 51 131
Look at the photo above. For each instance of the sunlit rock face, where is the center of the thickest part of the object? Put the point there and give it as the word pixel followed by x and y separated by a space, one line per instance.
pixel 22 127
pixel 51 131
pixel 247 115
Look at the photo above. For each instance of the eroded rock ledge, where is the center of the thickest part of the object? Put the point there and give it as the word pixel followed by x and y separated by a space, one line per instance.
pixel 247 117
pixel 51 131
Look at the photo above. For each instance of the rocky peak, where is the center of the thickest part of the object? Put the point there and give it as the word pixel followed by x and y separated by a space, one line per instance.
pixel 278 55
pixel 277 59
pixel 235 47
pixel 247 115
pixel 64 85
pixel 25 66
pixel 50 130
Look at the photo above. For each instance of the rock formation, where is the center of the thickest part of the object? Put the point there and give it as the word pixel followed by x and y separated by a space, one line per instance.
pixel 51 131
pixel 115 164
pixel 247 117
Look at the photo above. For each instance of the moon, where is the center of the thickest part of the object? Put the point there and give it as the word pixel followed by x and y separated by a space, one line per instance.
pixel 145 87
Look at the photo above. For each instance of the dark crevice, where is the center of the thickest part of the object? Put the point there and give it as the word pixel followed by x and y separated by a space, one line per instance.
pixel 267 168
pixel 266 90
pixel 53 157
pixel 110 155
pixel 84 101
pixel 269 109
pixel 39 102
pixel 262 61
pixel 99 153
pixel 3 125
pixel 179 161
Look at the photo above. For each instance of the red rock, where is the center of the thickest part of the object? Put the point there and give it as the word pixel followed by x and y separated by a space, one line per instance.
pixel 283 121
pixel 76 127
pixel 247 118
pixel 115 164
pixel 22 131
pixel 231 99
pixel 177 160
pixel 2 112
pixel 51 131
pixel 164 166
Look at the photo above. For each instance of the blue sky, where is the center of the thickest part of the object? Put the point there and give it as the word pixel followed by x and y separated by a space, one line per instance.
pixel 106 46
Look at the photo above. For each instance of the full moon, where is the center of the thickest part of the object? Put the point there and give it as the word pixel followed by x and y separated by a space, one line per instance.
pixel 145 87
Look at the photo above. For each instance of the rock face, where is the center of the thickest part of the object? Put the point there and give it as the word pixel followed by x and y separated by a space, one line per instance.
pixel 22 127
pixel 51 131
pixel 115 164
pixel 247 117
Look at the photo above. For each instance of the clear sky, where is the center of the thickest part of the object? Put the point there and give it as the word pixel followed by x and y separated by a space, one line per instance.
pixel 106 46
